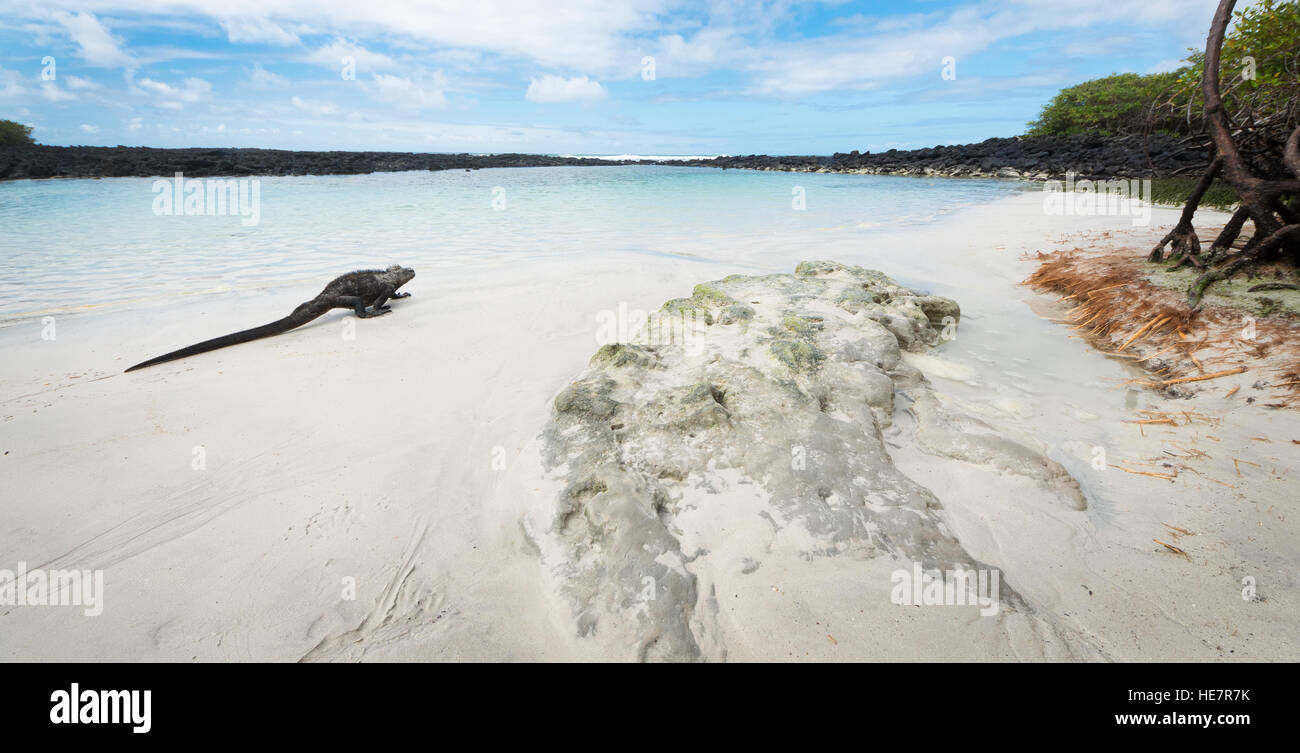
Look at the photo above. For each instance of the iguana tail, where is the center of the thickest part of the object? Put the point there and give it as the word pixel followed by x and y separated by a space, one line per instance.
pixel 300 316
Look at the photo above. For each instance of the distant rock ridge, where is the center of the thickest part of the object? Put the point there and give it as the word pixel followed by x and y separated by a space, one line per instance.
pixel 1025 158
pixel 38 161
pixel 773 387
pixel 1017 157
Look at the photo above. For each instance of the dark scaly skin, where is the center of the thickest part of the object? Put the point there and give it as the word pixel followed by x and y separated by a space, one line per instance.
pixel 365 291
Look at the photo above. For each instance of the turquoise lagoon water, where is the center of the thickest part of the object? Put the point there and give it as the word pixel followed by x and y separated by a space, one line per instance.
pixel 69 246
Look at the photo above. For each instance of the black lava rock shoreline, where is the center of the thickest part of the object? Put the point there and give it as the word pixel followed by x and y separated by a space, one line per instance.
pixel 18 162
pixel 1017 157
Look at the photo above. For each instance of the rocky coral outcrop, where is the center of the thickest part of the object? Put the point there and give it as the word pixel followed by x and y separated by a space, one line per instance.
pixel 779 383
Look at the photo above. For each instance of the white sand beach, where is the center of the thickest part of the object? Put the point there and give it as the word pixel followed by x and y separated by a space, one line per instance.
pixel 403 460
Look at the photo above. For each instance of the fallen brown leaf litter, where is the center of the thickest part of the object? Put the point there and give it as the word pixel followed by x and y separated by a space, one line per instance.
pixel 1152 474
pixel 1125 315
pixel 1171 548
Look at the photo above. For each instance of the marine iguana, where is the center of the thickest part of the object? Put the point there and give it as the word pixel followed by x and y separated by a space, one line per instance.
pixel 361 290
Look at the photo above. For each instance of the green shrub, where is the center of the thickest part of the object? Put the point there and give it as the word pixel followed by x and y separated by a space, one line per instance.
pixel 1269 34
pixel 12 133
pixel 1171 103
pixel 1117 105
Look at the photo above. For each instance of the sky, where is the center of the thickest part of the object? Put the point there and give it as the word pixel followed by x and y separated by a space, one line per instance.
pixel 652 77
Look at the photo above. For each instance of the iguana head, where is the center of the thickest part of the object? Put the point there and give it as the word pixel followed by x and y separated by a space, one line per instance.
pixel 399 275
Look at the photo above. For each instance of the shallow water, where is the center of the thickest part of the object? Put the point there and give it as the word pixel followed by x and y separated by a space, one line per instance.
pixel 70 246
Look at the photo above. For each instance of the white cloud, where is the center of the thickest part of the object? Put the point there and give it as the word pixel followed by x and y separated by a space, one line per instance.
pixel 264 79
pixel 95 44
pixel 331 56
pixel 429 93
pixel 315 108
pixel 78 83
pixel 607 40
pixel 87 128
pixel 856 62
pixel 590 35
pixel 175 97
pixel 253 30
pixel 52 93
pixel 707 49
pixel 763 48
pixel 556 89
pixel 11 83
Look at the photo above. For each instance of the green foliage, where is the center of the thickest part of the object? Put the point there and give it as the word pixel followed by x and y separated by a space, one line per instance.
pixel 1176 191
pixel 12 134
pixel 1267 32
pixel 1116 105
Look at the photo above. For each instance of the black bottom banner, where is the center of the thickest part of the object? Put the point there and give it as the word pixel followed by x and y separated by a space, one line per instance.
pixel 139 703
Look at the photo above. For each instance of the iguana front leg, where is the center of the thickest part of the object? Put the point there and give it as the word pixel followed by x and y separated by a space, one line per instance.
pixel 400 295
pixel 378 303
pixel 357 304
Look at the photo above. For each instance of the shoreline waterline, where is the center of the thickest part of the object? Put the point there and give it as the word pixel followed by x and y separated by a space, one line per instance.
pixel 123 253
